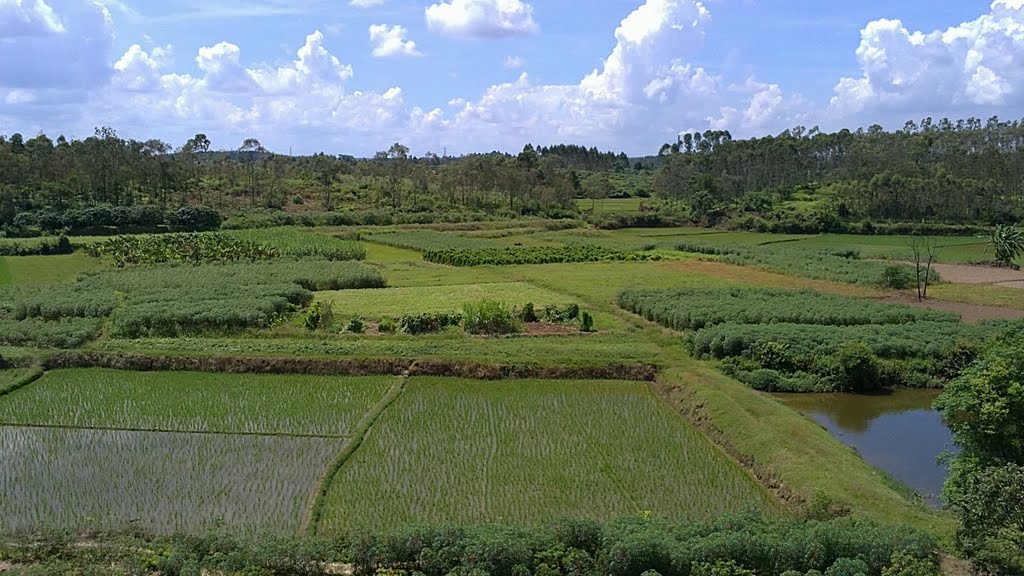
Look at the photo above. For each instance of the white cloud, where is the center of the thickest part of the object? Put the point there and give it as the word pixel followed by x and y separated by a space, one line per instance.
pixel 390 41
pixel 20 18
pixel 977 63
pixel 365 3
pixel 138 70
pixel 513 62
pixel 482 18
pixel 57 45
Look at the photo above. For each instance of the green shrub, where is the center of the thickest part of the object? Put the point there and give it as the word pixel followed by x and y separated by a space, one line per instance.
pixel 896 277
pixel 356 326
pixel 528 313
pixel 719 568
pixel 387 326
pixel 428 323
pixel 489 317
pixel 855 368
pixel 587 324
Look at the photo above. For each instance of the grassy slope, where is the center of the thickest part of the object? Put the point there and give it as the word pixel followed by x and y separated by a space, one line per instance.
pixel 5 272
pixel 527 451
pixel 192 402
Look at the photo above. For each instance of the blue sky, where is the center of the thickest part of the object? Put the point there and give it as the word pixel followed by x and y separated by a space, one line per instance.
pixel 477 75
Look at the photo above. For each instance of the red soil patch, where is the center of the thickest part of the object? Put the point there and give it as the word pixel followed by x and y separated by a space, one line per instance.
pixel 548 329
pixel 967 274
pixel 970 313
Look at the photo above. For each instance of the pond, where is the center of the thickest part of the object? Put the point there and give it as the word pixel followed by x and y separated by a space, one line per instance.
pixel 898 432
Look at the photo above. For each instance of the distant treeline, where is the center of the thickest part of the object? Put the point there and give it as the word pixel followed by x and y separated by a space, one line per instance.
pixel 947 171
pixel 44 177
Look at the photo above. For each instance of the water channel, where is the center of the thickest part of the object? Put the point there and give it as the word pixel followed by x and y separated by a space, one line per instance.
pixel 898 432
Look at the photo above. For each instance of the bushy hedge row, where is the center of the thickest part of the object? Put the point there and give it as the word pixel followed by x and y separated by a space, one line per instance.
pixel 808 358
pixel 696 308
pixel 191 248
pixel 39 333
pixel 172 300
pixel 836 266
pixel 532 255
pixel 37 247
pixel 934 340
pixel 55 302
pixel 103 219
pixel 732 546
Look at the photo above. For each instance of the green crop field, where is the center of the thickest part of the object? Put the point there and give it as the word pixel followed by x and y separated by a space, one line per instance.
pixel 194 402
pixel 46 269
pixel 156 481
pixel 526 451
pixel 394 302
pixel 577 350
pixel 258 451
pixel 611 205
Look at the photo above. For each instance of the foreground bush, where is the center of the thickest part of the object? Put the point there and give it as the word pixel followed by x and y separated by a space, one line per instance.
pixel 732 546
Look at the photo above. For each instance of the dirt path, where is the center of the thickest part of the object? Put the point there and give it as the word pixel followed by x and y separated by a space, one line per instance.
pixel 967 274
pixel 971 313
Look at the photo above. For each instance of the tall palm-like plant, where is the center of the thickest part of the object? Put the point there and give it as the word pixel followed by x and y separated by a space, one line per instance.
pixel 1007 242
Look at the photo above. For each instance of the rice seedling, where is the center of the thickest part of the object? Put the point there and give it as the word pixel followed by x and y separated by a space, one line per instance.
pixel 527 451
pixel 194 402
pixel 156 481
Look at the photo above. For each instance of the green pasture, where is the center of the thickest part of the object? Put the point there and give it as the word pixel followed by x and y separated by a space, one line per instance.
pixel 45 269
pixel 396 302
pixel 523 452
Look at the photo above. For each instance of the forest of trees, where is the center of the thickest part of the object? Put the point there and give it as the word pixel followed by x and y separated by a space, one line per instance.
pixel 955 172
pixel 54 176
pixel 963 172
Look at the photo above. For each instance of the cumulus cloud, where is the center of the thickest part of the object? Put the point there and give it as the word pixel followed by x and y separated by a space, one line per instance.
pixel 365 3
pixel 69 41
pixel 21 18
pixel 388 41
pixel 138 70
pixel 482 18
pixel 977 63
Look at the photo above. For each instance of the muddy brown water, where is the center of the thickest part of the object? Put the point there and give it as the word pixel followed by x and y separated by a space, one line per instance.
pixel 899 433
